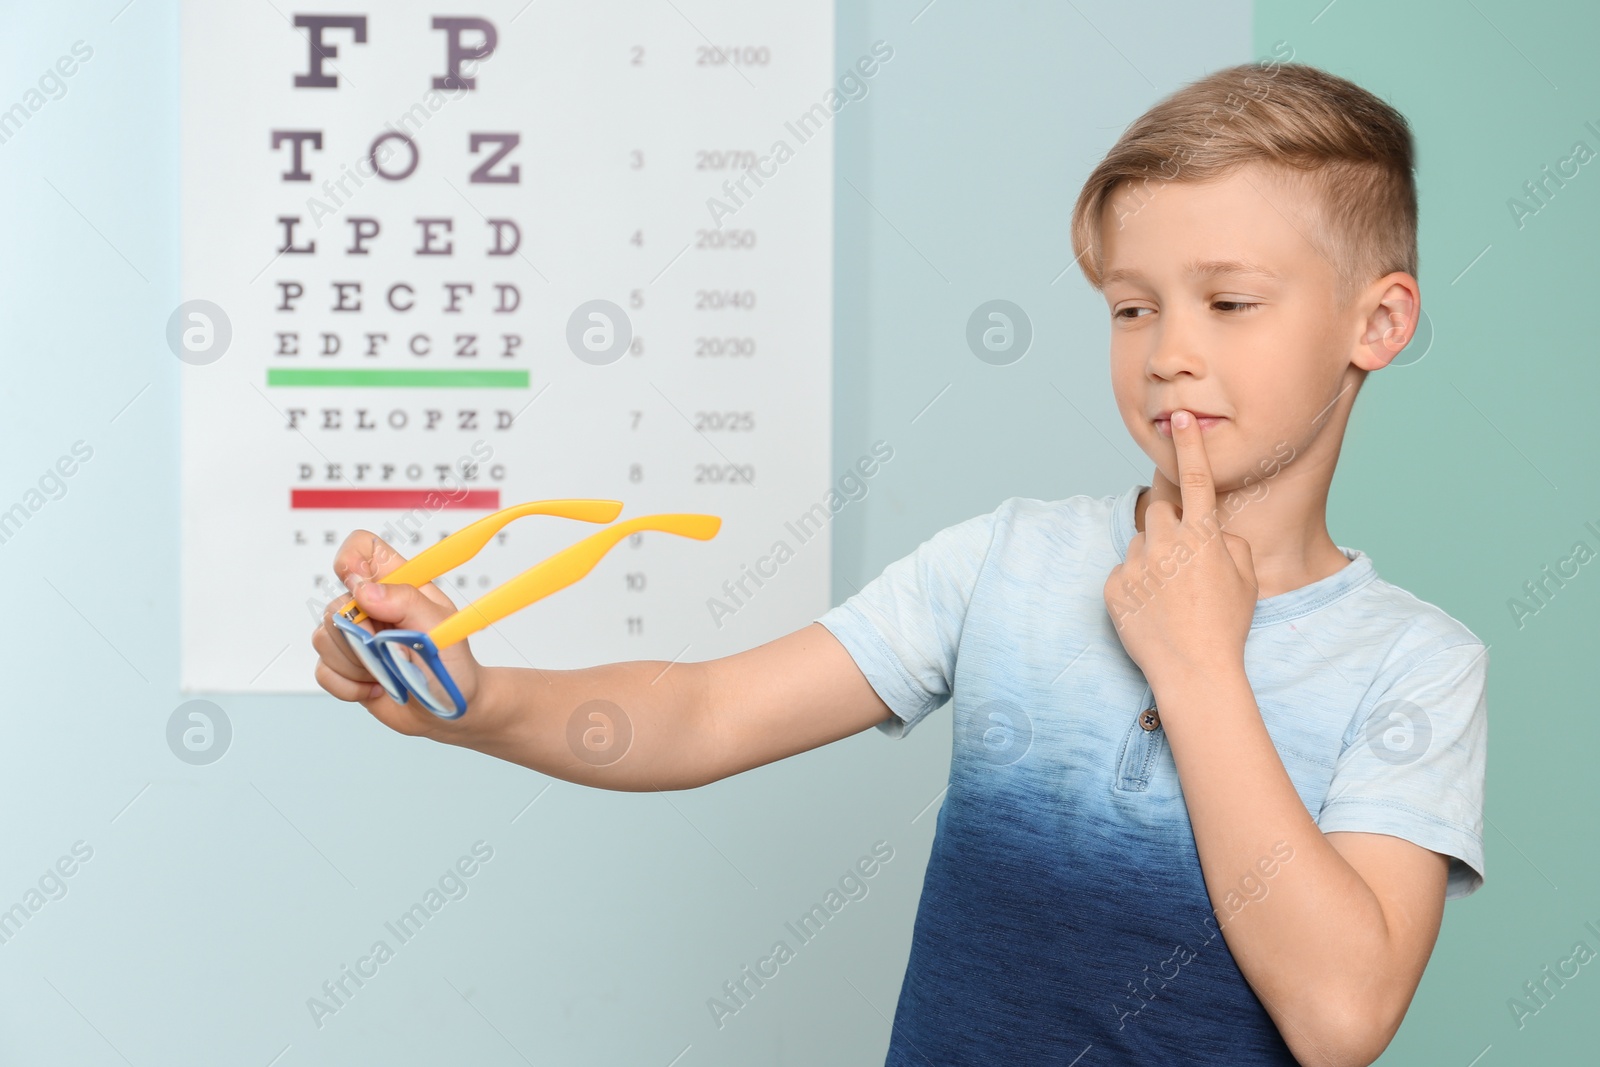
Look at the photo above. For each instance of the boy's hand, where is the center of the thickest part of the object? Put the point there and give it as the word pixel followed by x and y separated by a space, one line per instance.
pixel 1192 594
pixel 363 558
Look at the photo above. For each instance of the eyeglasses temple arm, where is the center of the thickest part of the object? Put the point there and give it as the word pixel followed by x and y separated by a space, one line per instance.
pixel 450 553
pixel 560 571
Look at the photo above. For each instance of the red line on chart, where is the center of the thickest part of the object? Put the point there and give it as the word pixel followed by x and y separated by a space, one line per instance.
pixel 384 499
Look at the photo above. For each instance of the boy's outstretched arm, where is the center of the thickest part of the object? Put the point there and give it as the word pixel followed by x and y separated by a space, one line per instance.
pixel 1335 947
pixel 672 725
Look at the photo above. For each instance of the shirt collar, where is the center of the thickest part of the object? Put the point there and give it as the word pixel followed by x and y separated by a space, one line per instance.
pixel 1273 609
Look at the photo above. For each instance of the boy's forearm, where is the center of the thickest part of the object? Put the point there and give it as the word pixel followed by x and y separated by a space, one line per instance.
pixel 633 726
pixel 1313 944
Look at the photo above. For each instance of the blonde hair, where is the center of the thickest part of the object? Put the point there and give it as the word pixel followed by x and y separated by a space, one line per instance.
pixel 1351 152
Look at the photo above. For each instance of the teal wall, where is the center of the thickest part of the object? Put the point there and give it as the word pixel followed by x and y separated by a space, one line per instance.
pixel 218 898
pixel 1467 473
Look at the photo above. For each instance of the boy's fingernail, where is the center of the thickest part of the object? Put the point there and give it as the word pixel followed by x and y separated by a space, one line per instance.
pixel 375 590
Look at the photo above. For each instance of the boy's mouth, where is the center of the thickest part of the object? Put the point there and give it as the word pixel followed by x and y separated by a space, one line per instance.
pixel 1164 426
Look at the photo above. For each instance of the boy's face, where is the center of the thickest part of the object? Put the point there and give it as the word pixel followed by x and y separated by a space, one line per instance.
pixel 1269 355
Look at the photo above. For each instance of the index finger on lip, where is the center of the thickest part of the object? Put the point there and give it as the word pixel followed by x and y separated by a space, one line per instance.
pixel 1194 469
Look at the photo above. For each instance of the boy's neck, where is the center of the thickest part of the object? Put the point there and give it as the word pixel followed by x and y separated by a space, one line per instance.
pixel 1286 528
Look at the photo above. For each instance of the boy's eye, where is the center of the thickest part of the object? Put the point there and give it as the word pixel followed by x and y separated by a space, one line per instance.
pixel 1221 305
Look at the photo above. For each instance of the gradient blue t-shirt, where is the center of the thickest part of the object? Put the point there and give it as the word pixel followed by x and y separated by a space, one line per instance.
pixel 1063 911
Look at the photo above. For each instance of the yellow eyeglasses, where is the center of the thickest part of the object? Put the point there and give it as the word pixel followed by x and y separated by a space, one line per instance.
pixel 406 663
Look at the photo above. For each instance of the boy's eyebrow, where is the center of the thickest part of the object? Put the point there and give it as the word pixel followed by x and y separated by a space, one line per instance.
pixel 1207 268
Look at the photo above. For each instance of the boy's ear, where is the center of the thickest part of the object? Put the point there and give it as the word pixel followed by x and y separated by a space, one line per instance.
pixel 1391 306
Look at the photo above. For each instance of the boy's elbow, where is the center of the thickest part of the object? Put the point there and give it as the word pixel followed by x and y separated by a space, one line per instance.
pixel 1347 1030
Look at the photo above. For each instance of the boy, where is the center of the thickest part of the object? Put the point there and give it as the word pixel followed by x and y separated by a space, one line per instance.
pixel 1208 794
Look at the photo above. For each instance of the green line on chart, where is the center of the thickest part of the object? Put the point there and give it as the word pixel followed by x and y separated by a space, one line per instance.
pixel 409 378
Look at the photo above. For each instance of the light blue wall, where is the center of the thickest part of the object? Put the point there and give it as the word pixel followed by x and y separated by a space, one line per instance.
pixel 219 898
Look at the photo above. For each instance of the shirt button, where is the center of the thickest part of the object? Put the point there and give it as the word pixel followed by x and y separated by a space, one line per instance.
pixel 1150 719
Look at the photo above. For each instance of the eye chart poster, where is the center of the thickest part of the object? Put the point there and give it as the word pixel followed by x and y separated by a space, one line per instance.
pixel 442 260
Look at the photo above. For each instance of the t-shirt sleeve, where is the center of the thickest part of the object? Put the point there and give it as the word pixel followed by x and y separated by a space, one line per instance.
pixel 1413 767
pixel 903 628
